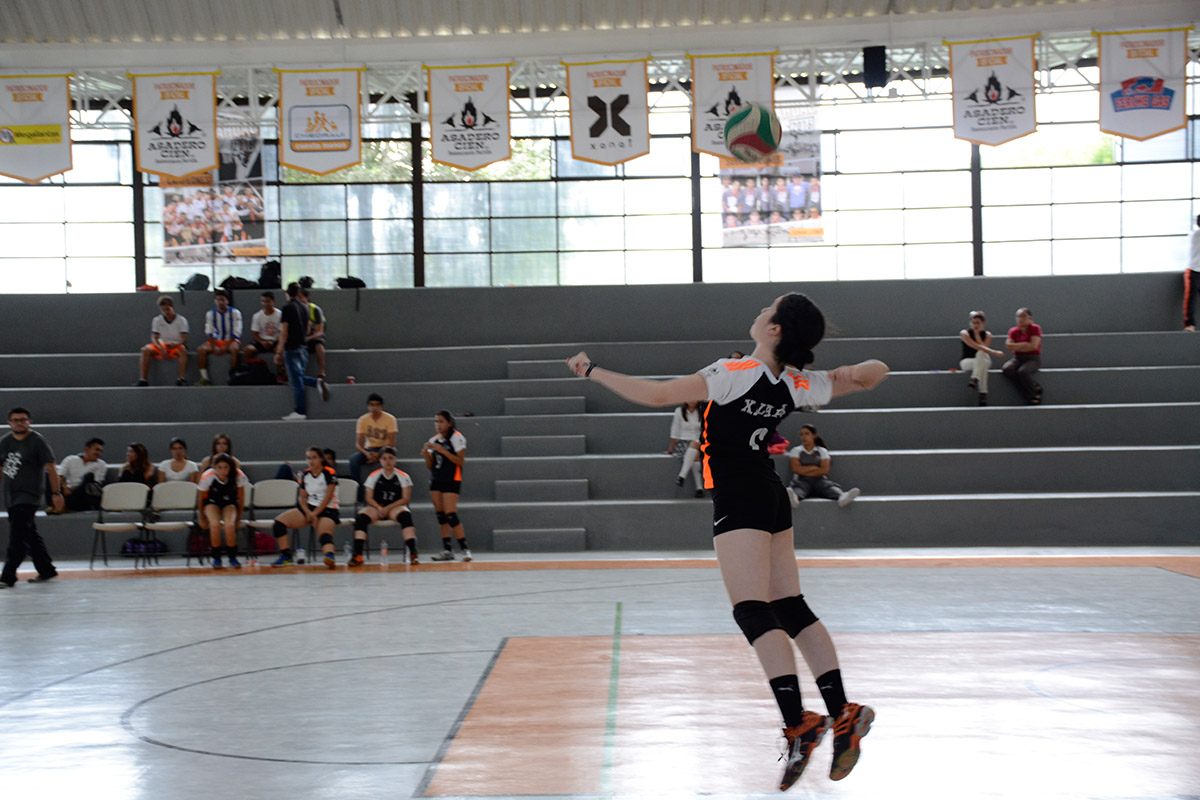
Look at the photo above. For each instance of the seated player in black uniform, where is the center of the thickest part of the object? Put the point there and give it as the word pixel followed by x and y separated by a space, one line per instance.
pixel 317 506
pixel 752 521
pixel 388 492
pixel 221 500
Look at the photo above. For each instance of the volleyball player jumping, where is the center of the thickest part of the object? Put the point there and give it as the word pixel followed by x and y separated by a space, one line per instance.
pixel 752 520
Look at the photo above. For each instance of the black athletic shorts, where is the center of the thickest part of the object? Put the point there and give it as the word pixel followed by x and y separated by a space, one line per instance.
pixel 312 344
pixel 220 503
pixel 447 485
pixel 749 495
pixel 328 513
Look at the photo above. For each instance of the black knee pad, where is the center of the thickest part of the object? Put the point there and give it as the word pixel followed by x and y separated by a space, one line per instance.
pixel 361 521
pixel 755 618
pixel 325 538
pixel 405 519
pixel 279 529
pixel 442 518
pixel 794 614
pixel 452 519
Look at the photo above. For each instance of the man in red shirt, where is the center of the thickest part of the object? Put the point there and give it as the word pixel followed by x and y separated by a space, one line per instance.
pixel 1025 342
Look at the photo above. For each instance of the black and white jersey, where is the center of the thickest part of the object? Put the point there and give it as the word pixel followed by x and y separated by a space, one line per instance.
pixel 218 492
pixel 315 486
pixel 387 490
pixel 745 405
pixel 443 468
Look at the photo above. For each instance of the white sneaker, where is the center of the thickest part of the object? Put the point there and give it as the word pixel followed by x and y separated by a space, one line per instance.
pixel 795 501
pixel 466 555
pixel 295 416
pixel 848 497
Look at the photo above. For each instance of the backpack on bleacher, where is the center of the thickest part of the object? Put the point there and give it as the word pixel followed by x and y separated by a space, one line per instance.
pixel 254 372
pixel 197 283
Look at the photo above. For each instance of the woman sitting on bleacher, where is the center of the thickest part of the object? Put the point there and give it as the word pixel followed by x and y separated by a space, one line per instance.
pixel 178 467
pixel 810 472
pixel 137 467
pixel 222 499
pixel 317 506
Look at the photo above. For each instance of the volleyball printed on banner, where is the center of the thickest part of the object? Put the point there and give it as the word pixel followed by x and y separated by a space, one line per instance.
pixel 752 132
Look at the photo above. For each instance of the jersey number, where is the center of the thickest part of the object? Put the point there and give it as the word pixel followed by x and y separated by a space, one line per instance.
pixel 756 437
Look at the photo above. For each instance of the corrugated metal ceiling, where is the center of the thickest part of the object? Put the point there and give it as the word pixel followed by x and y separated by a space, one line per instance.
pixel 138 21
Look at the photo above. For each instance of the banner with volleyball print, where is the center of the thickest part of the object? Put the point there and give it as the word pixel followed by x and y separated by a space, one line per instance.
pixel 610 113
pixel 1142 82
pixel 175 122
pixel 993 85
pixel 468 114
pixel 35 126
pixel 722 83
pixel 319 117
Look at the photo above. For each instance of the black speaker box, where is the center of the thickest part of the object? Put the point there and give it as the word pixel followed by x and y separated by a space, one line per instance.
pixel 875 71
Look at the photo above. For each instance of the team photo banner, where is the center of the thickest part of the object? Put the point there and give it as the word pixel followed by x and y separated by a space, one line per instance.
pixel 720 84
pixel 993 82
pixel 1142 82
pixel 610 112
pixel 319 117
pixel 35 126
pixel 175 122
pixel 468 115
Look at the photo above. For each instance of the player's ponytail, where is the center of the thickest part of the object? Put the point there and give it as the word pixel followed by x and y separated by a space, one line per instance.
pixel 802 326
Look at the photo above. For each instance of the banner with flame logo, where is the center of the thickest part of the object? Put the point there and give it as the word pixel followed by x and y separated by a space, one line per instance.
pixel 610 115
pixel 319 128
pixel 468 115
pixel 720 84
pixel 175 121
pixel 1142 82
pixel 35 126
pixel 993 83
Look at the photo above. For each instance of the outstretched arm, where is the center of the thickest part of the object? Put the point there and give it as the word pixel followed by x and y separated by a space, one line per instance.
pixel 642 391
pixel 856 377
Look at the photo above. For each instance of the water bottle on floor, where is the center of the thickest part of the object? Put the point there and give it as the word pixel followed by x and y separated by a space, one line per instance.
pixel 348 551
pixel 300 556
pixel 383 553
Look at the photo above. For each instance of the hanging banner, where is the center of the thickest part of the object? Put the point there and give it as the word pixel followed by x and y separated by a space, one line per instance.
pixel 175 122
pixel 468 115
pixel 1142 82
pixel 610 113
pixel 993 82
pixel 35 126
pixel 720 84
pixel 319 117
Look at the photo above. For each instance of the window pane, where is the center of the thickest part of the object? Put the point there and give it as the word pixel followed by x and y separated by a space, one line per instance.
pixel 591 233
pixel 1168 147
pixel 658 266
pixel 313 237
pixel 1016 222
pixel 665 232
pixel 524 234
pixel 1087 256
pixel 938 225
pixel 33 275
pixel 900 151
pixel 666 157
pixel 661 196
pixel 870 191
pixel 312 202
pixel 99 239
pixel 1155 182
pixel 1086 220
pixel 33 240
pixel 590 198
pixel 381 201
pixel 591 269
pixel 806 263
pixel 457 270
pixel 324 270
pixel 152 204
pixel 939 261
pixel 929 189
pixel 444 200
pixel 869 227
pixel 32 203
pixel 870 263
pixel 525 269
pixel 1053 145
pixel 670 122
pixel 1161 253
pixel 154 239
pixel 94 163
pixel 570 167
pixel 456 236
pixel 380 236
pixel 99 203
pixel 383 272
pixel 1162 218
pixel 1016 258
pixel 1015 186
pixel 1086 184
pixel 99 275
pixel 737 265
pixel 522 199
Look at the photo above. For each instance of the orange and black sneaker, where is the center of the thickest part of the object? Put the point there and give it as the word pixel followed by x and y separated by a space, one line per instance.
pixel 852 725
pixel 355 561
pixel 802 740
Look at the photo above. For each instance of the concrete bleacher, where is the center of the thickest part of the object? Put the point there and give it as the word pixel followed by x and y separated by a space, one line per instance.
pixel 557 463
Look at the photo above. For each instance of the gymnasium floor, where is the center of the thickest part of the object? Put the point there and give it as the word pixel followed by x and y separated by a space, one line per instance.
pixel 995 674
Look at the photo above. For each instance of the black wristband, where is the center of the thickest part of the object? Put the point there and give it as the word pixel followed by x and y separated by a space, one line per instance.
pixel 591 366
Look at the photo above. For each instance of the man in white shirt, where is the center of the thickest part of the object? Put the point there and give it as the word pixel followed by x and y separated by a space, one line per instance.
pixel 1191 280
pixel 223 327
pixel 82 475
pixel 265 326
pixel 168 340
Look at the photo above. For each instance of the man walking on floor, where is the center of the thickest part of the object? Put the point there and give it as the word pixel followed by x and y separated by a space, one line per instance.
pixel 24 456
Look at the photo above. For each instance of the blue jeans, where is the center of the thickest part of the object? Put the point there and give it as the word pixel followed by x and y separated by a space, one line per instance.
pixel 296 362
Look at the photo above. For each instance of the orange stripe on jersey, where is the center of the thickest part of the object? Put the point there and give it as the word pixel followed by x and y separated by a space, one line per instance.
pixel 708 479
pixel 799 381
pixel 458 472
pixel 734 366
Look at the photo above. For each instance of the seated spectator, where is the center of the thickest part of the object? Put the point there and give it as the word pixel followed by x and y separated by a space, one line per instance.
pixel 314 338
pixel 82 476
pixel 264 331
pixel 137 467
pixel 223 332
pixel 389 491
pixel 287 472
pixel 374 431
pixel 685 443
pixel 178 467
pixel 976 354
pixel 221 443
pixel 168 341
pixel 221 501
pixel 810 472
pixel 1025 342
pixel 317 506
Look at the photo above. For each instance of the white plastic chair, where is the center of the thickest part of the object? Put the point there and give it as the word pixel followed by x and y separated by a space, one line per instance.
pixel 173 496
pixel 117 498
pixel 273 495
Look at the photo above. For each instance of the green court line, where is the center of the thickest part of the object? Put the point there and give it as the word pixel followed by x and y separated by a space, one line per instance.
pixel 610 723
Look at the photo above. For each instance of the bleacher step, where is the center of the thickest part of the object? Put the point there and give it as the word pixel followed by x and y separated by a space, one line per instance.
pixel 541 491
pixel 576 404
pixel 542 540
pixel 541 368
pixel 568 445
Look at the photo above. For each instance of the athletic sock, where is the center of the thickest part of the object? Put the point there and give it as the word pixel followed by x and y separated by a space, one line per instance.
pixel 787 695
pixel 286 552
pixel 361 521
pixel 204 374
pixel 358 546
pixel 832 691
pixel 446 543
pixel 462 543
pixel 411 544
